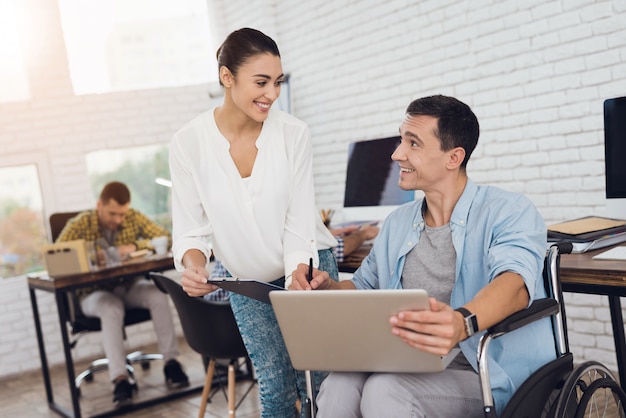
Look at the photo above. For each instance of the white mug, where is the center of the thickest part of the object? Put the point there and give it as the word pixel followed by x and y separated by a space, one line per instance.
pixel 160 245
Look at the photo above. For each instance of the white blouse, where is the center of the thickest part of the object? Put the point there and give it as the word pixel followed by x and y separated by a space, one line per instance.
pixel 260 227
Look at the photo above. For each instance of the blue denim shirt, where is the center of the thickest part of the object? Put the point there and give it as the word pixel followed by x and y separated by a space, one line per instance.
pixel 493 231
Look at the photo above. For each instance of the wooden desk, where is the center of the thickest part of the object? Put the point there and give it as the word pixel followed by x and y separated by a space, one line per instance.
pixel 63 284
pixel 581 274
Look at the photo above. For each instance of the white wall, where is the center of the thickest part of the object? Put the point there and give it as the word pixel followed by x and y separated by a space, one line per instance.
pixel 55 130
pixel 535 72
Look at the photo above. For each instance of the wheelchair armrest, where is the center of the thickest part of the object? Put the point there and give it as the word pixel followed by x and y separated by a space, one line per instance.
pixel 539 309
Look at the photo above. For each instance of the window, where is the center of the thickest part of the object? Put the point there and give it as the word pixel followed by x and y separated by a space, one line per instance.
pixel 13 78
pixel 119 45
pixel 22 226
pixel 138 168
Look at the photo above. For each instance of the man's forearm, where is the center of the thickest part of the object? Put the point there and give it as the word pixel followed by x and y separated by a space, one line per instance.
pixel 504 296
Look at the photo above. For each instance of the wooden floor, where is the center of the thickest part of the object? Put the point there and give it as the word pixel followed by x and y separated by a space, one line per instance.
pixel 24 395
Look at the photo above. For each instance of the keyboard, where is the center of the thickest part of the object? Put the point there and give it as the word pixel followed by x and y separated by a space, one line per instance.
pixel 615 253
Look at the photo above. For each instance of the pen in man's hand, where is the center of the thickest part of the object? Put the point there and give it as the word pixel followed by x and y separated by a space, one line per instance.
pixel 310 276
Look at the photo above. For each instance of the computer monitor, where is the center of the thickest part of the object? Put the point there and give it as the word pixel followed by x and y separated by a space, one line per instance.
pixel 615 156
pixel 372 190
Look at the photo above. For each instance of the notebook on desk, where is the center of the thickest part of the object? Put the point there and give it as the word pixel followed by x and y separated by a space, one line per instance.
pixel 615 254
pixel 586 229
pixel 349 330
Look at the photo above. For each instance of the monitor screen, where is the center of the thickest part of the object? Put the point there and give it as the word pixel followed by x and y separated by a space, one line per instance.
pixel 372 177
pixel 615 147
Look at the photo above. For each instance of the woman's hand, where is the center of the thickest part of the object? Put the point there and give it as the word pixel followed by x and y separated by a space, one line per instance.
pixel 320 281
pixel 194 281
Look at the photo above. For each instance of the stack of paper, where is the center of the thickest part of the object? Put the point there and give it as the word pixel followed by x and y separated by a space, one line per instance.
pixel 589 233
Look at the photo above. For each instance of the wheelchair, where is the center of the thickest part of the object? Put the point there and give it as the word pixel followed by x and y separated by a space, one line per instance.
pixel 558 389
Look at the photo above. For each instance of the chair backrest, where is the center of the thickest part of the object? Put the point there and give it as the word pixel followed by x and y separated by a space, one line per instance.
pixel 57 223
pixel 209 326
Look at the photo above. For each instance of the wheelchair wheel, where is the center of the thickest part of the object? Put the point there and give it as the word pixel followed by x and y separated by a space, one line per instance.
pixel 603 398
pixel 590 390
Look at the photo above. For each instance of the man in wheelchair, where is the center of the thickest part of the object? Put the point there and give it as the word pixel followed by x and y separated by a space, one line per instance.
pixel 477 250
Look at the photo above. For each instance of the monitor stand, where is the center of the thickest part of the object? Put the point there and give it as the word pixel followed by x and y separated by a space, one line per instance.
pixel 616 208
pixel 363 214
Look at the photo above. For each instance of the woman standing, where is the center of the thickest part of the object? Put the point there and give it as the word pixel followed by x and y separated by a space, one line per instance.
pixel 242 179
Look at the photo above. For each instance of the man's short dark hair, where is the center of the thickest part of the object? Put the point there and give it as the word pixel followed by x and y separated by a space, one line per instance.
pixel 457 125
pixel 117 191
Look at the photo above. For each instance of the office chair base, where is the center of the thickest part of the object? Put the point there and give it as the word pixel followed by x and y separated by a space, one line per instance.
pixel 103 364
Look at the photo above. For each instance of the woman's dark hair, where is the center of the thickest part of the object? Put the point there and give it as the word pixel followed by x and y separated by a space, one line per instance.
pixel 457 125
pixel 241 45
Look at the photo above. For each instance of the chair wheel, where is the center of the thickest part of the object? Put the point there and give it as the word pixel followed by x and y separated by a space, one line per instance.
pixel 89 378
pixel 145 365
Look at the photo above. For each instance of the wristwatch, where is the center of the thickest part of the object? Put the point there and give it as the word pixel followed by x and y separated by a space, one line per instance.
pixel 471 323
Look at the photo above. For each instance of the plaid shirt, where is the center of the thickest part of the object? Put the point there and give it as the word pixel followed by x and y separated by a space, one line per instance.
pixel 338 250
pixel 220 294
pixel 136 228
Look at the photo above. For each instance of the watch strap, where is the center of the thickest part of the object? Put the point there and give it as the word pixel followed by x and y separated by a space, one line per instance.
pixel 471 322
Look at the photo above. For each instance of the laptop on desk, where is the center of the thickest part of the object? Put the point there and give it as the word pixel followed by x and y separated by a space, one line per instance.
pixel 349 330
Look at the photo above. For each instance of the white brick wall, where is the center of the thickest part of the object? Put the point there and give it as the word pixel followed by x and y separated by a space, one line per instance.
pixel 535 72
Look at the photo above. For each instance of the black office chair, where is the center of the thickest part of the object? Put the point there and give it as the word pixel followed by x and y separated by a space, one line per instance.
pixel 556 390
pixel 81 324
pixel 211 331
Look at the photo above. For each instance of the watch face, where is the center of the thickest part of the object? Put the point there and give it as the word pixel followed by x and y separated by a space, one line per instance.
pixel 472 324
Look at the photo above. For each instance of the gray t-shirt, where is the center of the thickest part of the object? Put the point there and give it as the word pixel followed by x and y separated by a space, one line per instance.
pixel 431 265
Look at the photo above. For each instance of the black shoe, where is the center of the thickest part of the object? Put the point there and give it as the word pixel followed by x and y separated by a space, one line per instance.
pixel 123 393
pixel 174 375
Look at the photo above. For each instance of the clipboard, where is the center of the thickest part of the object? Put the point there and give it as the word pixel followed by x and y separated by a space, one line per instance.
pixel 254 289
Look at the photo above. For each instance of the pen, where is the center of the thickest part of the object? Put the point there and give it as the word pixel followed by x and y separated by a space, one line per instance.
pixel 310 276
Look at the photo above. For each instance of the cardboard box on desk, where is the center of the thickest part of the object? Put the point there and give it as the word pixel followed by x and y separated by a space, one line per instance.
pixel 64 258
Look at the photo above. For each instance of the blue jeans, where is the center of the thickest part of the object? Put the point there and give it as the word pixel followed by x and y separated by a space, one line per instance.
pixel 279 383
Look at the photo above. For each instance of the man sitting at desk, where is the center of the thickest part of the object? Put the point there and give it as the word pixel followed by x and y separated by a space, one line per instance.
pixel 128 230
pixel 350 238
pixel 475 248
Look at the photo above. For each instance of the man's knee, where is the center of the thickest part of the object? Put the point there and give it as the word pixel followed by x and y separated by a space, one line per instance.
pixel 103 304
pixel 385 396
pixel 340 395
pixel 156 298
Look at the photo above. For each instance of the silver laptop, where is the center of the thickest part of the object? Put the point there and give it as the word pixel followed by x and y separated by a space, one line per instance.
pixel 349 330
